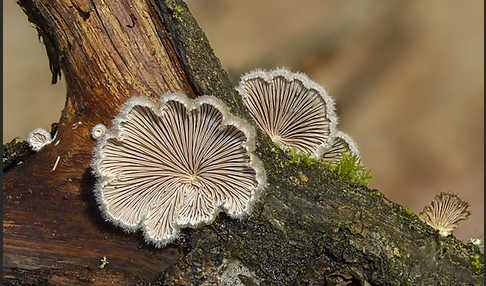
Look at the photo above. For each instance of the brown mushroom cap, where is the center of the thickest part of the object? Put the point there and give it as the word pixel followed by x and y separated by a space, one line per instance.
pixel 292 109
pixel 175 163
pixel 445 212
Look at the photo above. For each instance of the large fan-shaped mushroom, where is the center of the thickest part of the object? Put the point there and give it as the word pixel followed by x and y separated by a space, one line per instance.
pixel 173 164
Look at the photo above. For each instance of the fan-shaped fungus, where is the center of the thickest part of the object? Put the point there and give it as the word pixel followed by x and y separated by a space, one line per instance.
pixel 340 143
pixel 171 164
pixel 293 110
pixel 444 212
pixel 38 138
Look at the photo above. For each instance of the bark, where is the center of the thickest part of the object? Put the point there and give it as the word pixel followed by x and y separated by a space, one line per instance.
pixel 307 228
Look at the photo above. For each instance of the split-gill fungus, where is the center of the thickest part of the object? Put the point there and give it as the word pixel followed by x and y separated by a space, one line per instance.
pixel 445 212
pixel 341 143
pixel 38 138
pixel 295 112
pixel 172 164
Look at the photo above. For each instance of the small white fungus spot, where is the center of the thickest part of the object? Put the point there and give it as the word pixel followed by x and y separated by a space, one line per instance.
pixel 76 125
pixel 98 131
pixel 38 138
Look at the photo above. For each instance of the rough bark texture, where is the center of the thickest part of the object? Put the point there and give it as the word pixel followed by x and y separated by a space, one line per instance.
pixel 307 228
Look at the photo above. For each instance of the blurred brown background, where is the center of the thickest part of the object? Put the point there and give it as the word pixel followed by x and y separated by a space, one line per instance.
pixel 407 77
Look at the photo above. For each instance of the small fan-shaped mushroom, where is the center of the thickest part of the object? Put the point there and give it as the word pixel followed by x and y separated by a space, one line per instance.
pixel 174 164
pixel 293 110
pixel 98 131
pixel 444 212
pixel 38 138
pixel 341 143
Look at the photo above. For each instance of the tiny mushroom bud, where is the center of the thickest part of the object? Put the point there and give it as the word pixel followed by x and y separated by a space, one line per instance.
pixel 444 212
pixel 340 144
pixel 292 109
pixel 38 138
pixel 98 131
pixel 172 164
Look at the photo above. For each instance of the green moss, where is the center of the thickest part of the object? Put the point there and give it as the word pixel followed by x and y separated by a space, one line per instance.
pixel 475 264
pixel 274 148
pixel 376 193
pixel 178 12
pixel 340 225
pixel 299 158
pixel 349 169
pixel 408 211
pixel 178 9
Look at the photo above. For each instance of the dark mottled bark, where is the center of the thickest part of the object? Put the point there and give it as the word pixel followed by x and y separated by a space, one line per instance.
pixel 307 227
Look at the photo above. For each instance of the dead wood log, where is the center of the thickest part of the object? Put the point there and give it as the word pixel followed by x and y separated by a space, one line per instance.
pixel 308 228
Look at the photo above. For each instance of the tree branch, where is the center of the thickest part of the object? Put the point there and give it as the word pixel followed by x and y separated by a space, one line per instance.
pixel 307 227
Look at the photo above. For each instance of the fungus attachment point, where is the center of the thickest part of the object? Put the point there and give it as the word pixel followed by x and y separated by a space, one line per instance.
pixel 174 164
pixel 98 131
pixel 293 110
pixel 444 212
pixel 38 138
pixel 340 144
